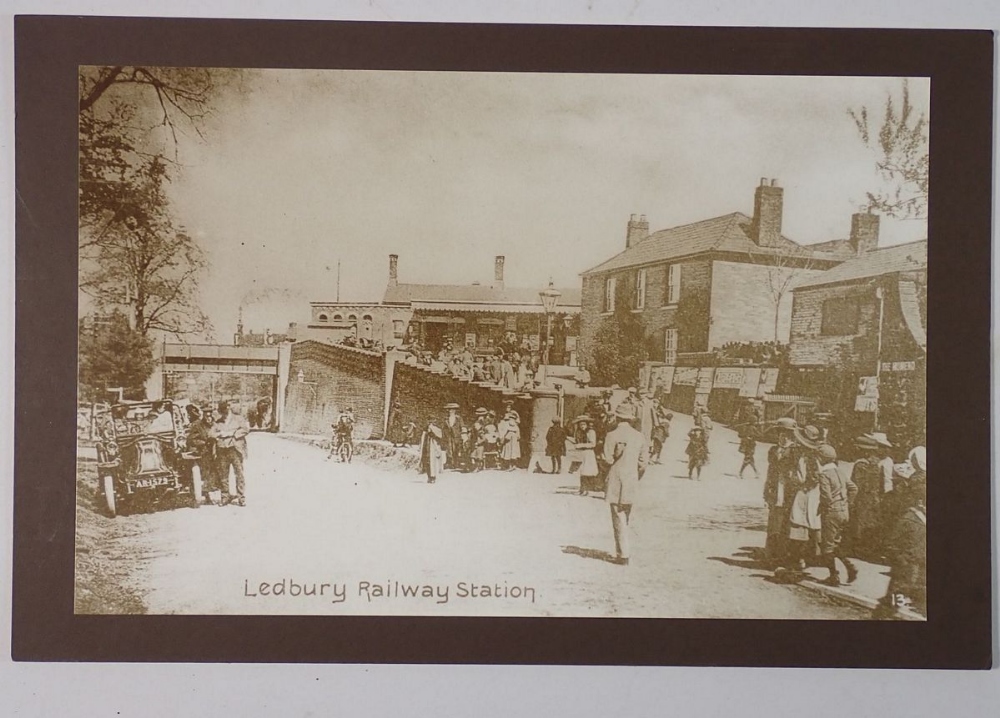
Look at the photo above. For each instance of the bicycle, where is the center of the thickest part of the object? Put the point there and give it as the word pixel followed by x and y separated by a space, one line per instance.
pixel 345 449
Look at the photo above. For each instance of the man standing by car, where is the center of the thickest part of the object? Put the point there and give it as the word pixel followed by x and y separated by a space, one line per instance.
pixel 230 431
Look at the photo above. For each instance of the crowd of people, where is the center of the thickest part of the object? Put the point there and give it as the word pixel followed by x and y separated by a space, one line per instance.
pixel 510 365
pixel 819 516
pixel 491 441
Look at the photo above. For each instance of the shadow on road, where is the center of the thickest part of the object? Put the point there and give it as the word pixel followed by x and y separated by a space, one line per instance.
pixel 590 553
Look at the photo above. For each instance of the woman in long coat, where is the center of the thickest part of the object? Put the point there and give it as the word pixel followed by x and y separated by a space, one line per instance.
pixel 510 441
pixel 432 452
pixel 866 526
pixel 697 451
pixel 589 469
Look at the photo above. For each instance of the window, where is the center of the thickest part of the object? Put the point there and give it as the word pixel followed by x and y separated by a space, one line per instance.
pixel 323 317
pixel 840 316
pixel 338 317
pixel 670 347
pixel 672 294
pixel 397 328
pixel 609 294
pixel 352 318
pixel 640 289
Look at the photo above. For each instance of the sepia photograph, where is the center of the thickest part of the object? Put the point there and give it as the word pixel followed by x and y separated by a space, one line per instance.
pixel 364 342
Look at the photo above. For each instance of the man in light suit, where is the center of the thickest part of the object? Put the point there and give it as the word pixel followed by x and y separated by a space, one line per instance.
pixel 625 452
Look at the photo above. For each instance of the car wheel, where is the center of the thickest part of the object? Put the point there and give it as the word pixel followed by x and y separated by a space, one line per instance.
pixel 109 495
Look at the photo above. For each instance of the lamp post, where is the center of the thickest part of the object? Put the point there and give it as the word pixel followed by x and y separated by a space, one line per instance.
pixel 549 296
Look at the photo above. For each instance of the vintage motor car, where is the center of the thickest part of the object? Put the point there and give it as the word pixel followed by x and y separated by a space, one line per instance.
pixel 142 453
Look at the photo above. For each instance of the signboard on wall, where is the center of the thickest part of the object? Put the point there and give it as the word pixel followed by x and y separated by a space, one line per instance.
pixel 645 371
pixel 867 399
pixel 768 381
pixel 703 383
pixel 728 378
pixel 751 381
pixel 662 379
pixel 686 376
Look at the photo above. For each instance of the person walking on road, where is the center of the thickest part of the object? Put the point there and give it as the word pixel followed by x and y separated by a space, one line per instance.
pixel 835 496
pixel 453 426
pixel 625 452
pixel 661 430
pixel 697 452
pixel 803 517
pixel 748 447
pixel 230 431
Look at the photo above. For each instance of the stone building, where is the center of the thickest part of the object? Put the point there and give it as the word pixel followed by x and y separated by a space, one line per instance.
pixel 699 286
pixel 859 342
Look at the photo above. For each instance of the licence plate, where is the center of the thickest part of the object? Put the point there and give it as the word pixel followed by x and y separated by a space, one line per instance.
pixel 150 483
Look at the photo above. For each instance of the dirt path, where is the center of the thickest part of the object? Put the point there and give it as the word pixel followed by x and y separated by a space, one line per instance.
pixel 353 539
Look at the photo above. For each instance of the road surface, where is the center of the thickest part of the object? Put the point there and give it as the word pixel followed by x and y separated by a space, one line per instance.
pixel 340 539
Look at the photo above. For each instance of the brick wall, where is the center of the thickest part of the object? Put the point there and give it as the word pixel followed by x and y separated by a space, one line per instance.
pixel 809 347
pixel 743 303
pixel 335 377
pixel 657 316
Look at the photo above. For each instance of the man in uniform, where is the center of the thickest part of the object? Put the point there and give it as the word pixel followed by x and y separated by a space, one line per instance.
pixel 625 452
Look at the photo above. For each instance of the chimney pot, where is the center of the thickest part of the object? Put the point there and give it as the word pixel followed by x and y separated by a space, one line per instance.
pixel 636 231
pixel 393 268
pixel 763 181
pixel 864 231
pixel 765 229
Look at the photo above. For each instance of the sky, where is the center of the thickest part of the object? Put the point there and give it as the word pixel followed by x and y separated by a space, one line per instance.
pixel 305 169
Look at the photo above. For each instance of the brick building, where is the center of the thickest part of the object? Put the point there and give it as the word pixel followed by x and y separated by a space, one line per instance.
pixel 699 286
pixel 864 319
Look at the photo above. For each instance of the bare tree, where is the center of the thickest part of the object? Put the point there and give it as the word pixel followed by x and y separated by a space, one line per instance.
pixel 132 251
pixel 903 159
pixel 784 268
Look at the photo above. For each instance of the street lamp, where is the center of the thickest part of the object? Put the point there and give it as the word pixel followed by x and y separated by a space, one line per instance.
pixel 549 296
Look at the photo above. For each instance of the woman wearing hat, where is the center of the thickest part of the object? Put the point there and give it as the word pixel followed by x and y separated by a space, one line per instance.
pixel 779 489
pixel 395 432
pixel 803 517
pixel 587 448
pixel 432 451
pixel 510 440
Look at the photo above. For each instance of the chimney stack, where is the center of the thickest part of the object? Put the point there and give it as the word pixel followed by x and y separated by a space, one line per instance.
pixel 765 229
pixel 498 272
pixel 637 231
pixel 864 231
pixel 393 265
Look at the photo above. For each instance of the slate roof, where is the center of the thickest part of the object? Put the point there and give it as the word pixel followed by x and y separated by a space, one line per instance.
pixel 728 233
pixel 473 294
pixel 900 258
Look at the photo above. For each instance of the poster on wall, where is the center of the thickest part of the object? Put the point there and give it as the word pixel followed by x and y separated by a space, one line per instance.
pixel 768 381
pixel 686 375
pixel 751 382
pixel 703 380
pixel 728 378
pixel 662 379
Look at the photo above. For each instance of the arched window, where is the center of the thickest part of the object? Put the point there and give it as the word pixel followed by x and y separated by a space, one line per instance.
pixel 352 318
pixel 323 317
pixel 338 317
pixel 367 318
